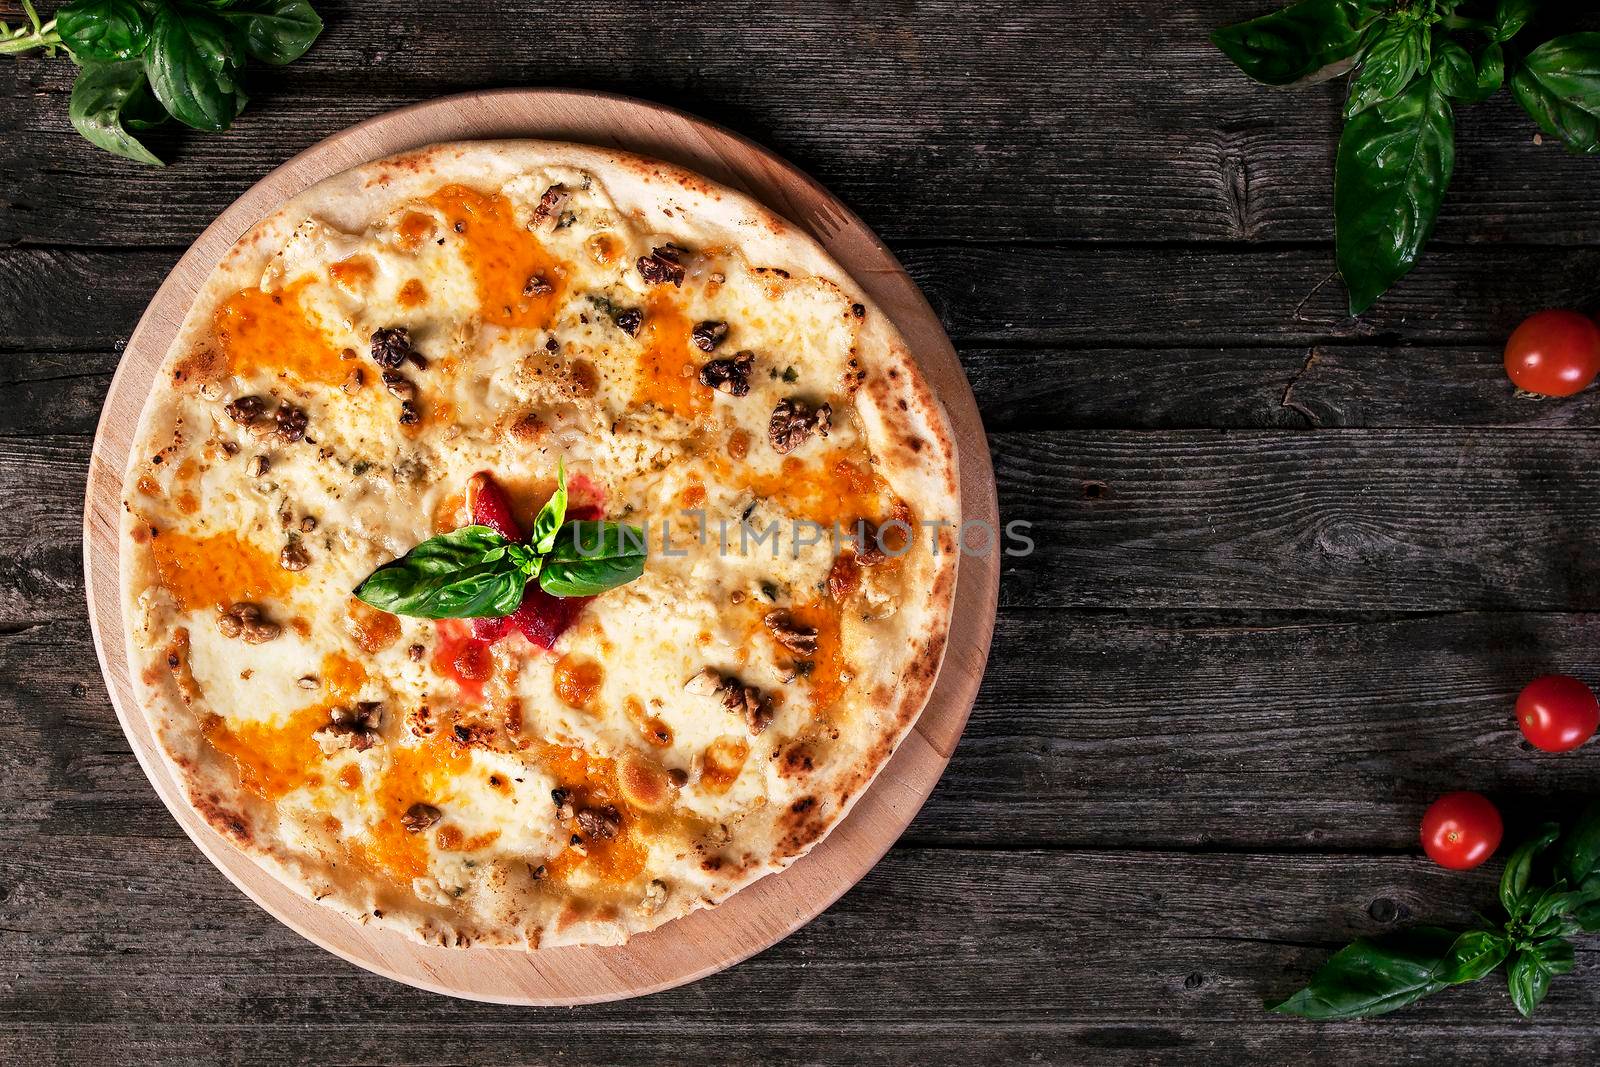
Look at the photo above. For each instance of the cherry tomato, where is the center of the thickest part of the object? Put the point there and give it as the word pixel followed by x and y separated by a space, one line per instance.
pixel 1461 830
pixel 1557 713
pixel 1555 353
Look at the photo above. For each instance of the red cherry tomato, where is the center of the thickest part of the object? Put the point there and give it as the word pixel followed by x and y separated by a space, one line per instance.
pixel 1461 830
pixel 1557 713
pixel 1556 353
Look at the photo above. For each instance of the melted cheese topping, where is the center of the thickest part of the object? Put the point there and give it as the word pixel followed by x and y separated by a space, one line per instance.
pixel 590 776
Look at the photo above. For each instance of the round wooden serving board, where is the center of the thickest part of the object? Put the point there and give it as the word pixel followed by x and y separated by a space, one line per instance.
pixel 757 916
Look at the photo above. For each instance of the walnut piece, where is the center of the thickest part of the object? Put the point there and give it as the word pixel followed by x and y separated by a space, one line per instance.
pixel 794 421
pixel 294 557
pixel 628 320
pixel 550 205
pixel 706 336
pixel 731 376
pixel 419 817
pixel 355 728
pixel 662 266
pixel 799 639
pixel 744 700
pixel 400 387
pixel 655 895
pixel 867 538
pixel 603 822
pixel 391 347
pixel 844 577
pixel 245 409
pixel 291 422
pixel 247 620
pixel 562 799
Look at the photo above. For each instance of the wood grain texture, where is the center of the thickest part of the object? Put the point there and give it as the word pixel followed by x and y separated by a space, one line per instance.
pixel 1160 956
pixel 1184 781
pixel 936 118
pixel 1412 520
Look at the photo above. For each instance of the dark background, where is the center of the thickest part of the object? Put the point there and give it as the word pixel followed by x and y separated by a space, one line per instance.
pixel 1293 566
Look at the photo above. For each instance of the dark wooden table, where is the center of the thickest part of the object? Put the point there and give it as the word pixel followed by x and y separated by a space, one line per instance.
pixel 1292 568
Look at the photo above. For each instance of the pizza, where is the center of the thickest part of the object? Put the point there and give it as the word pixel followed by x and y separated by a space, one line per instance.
pixel 528 544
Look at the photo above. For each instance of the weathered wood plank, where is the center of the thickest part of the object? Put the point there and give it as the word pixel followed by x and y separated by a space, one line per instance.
pixel 1098 730
pixel 937 120
pixel 1042 957
pixel 65 300
pixel 1079 296
pixel 1320 386
pixel 1414 520
pixel 41 497
pixel 49 393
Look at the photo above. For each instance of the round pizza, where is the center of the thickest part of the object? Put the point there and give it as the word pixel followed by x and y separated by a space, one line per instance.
pixel 528 544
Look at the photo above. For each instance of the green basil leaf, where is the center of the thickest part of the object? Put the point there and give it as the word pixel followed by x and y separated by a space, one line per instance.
pixel 468 573
pixel 1374 977
pixel 1554 903
pixel 1452 70
pixel 1473 955
pixel 193 62
pixel 1458 77
pixel 1587 915
pixel 1519 867
pixel 1578 858
pixel 104 31
pixel 1398 53
pixel 1528 981
pixel 144 111
pixel 1558 83
pixel 101 97
pixel 591 557
pixel 1510 17
pixel 551 516
pixel 1302 40
pixel 1491 72
pixel 277 31
pixel 1556 955
pixel 1393 167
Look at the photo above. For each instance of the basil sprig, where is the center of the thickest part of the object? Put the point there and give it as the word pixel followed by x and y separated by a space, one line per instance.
pixel 475 572
pixel 1372 977
pixel 1413 63
pixel 145 60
